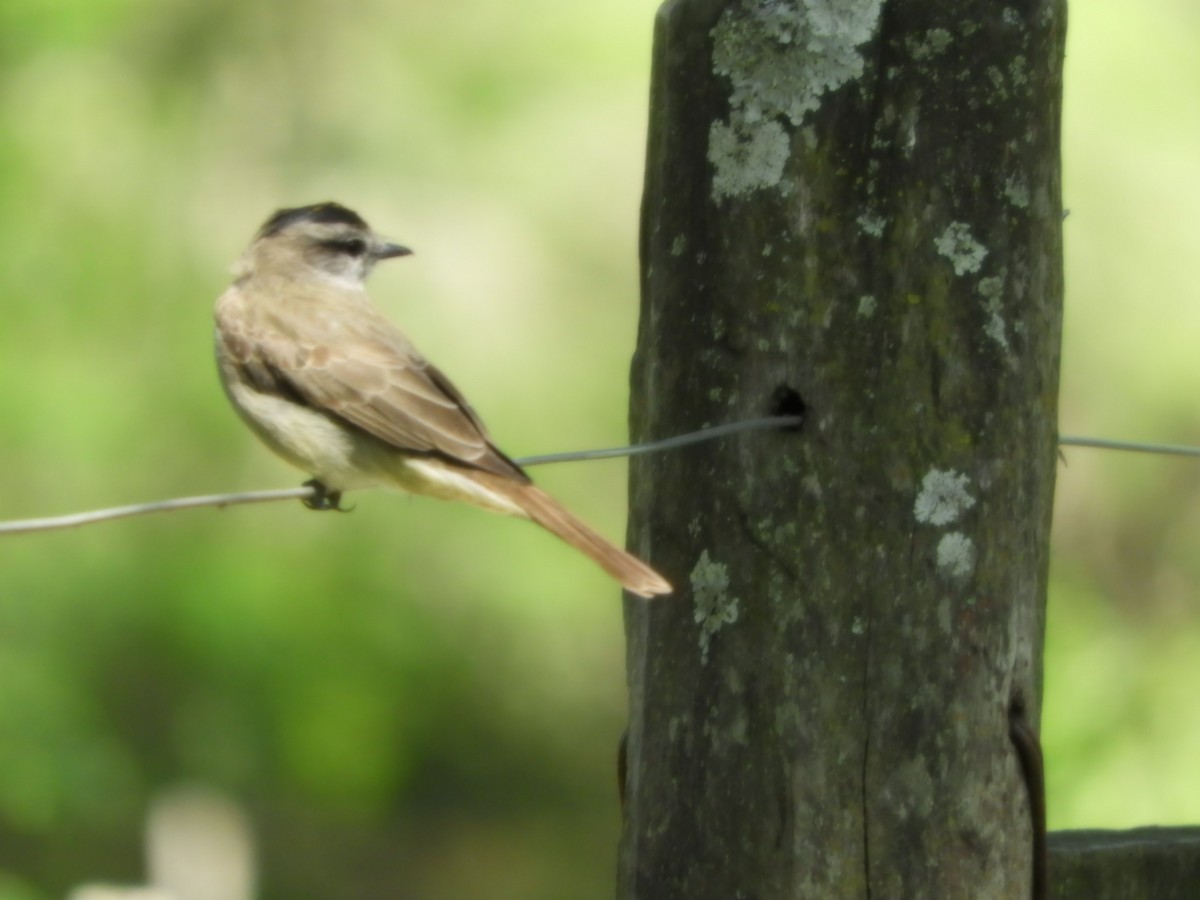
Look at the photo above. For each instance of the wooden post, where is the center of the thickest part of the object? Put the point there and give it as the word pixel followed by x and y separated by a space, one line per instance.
pixel 1141 864
pixel 851 208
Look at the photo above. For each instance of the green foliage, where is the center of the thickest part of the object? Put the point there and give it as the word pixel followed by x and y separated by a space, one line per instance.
pixel 426 680
pixel 415 694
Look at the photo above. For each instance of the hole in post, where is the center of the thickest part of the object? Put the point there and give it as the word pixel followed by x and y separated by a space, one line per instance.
pixel 787 402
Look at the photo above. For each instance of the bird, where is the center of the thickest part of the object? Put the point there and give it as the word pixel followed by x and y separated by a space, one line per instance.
pixel 333 387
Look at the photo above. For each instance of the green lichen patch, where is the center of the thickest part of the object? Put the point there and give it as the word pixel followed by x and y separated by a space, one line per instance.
pixel 964 252
pixel 714 608
pixel 943 498
pixel 781 57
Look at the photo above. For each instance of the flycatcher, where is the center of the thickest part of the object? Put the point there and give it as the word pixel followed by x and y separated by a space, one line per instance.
pixel 337 390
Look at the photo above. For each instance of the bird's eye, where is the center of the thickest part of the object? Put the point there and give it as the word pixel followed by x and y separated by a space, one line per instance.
pixel 349 246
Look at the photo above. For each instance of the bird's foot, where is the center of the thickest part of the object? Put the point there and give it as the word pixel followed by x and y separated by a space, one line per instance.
pixel 324 499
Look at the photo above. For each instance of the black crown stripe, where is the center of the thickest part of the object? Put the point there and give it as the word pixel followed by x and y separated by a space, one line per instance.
pixel 324 213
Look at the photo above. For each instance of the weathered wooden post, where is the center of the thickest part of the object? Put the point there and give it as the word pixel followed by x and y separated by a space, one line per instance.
pixel 851 208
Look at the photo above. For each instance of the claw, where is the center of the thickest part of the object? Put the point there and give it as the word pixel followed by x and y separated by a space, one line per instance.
pixel 324 499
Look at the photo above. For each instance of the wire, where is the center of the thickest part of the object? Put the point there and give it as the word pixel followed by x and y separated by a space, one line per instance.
pixel 671 443
pixel 220 501
pixel 75 520
pixel 1130 446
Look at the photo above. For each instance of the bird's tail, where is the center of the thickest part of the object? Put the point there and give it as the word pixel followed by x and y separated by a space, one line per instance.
pixel 633 574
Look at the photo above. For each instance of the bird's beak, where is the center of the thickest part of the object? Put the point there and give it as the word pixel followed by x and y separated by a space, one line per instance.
pixel 388 251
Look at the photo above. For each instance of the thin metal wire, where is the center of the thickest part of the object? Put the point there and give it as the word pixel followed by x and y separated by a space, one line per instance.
pixel 75 520
pixel 1129 446
pixel 671 443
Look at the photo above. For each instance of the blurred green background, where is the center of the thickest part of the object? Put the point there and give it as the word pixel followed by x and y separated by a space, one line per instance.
pixel 398 721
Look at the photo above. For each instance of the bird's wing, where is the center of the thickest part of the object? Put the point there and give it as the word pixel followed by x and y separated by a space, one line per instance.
pixel 371 377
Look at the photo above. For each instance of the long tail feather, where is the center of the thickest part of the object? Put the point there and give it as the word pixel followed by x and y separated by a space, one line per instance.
pixel 633 574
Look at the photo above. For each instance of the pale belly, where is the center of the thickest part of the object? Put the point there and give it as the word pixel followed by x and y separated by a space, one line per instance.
pixel 337 457
pixel 343 459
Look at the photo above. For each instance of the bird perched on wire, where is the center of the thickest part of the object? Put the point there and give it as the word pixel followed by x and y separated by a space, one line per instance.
pixel 337 390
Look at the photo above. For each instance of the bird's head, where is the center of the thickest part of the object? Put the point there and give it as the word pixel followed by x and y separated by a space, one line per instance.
pixel 324 240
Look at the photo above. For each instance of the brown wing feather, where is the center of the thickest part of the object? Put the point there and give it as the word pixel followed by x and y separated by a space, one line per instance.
pixel 375 380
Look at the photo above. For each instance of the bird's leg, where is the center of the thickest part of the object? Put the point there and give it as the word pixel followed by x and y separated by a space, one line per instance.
pixel 323 498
